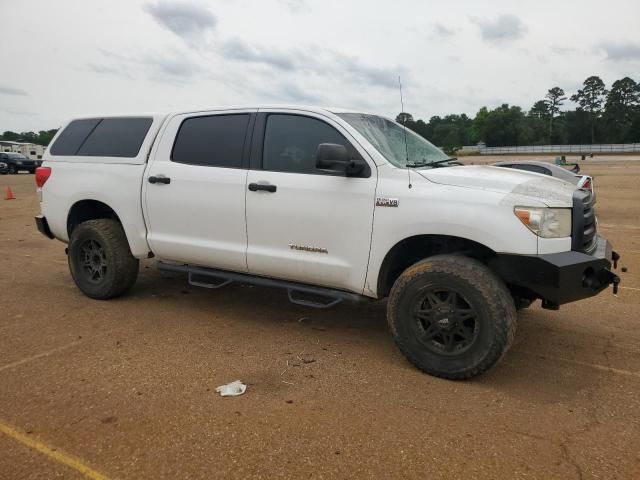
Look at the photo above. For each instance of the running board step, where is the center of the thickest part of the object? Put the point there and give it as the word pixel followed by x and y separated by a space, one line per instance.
pixel 204 277
pixel 197 283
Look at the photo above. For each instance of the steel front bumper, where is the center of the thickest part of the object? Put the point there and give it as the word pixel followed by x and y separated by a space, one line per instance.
pixel 559 278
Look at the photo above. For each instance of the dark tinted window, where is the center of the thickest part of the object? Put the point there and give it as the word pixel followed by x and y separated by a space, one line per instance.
pixel 291 141
pixel 216 141
pixel 116 137
pixel 532 168
pixel 72 137
pixel 108 137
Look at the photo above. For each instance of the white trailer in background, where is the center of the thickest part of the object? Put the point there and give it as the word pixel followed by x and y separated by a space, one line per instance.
pixel 32 151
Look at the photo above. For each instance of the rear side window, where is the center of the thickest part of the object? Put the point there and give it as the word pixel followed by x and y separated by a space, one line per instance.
pixel 214 141
pixel 73 136
pixel 103 137
pixel 116 137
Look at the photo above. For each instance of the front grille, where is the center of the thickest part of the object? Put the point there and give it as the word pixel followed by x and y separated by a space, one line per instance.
pixel 583 234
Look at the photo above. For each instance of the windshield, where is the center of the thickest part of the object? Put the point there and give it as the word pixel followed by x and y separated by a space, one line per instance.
pixel 389 139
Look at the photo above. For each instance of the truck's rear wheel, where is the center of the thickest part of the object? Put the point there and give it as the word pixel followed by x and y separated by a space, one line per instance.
pixel 451 316
pixel 100 260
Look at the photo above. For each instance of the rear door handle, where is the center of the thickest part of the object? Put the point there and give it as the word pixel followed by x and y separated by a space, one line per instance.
pixel 254 187
pixel 165 180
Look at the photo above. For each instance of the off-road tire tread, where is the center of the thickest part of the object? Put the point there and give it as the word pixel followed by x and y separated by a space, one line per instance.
pixel 494 292
pixel 119 256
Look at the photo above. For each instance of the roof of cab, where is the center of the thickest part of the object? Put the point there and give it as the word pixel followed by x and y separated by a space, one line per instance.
pixel 307 108
pixel 159 115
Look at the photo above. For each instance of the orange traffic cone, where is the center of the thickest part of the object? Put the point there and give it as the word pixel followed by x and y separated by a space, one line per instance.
pixel 9 194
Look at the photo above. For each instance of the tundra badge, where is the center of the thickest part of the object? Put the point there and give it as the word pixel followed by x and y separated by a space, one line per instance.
pixel 307 248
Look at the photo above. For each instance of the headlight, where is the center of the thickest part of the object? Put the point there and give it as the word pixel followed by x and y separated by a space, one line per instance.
pixel 18 162
pixel 546 222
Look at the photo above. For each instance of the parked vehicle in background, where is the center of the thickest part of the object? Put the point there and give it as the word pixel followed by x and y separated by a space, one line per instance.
pixel 16 162
pixel 583 182
pixel 331 205
pixel 4 169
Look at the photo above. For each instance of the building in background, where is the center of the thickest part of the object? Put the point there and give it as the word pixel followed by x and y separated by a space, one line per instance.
pixel 30 150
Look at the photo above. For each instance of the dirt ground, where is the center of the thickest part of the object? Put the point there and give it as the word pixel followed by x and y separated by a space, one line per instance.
pixel 126 388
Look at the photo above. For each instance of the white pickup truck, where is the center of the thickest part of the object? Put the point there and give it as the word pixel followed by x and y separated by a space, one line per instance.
pixel 331 205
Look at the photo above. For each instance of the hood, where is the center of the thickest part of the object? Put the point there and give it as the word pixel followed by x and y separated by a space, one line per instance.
pixel 514 184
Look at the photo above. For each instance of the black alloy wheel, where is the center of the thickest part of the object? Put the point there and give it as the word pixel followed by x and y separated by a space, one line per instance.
pixel 445 321
pixel 93 260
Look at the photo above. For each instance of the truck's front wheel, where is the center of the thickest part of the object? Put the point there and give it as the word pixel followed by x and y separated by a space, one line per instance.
pixel 100 260
pixel 451 316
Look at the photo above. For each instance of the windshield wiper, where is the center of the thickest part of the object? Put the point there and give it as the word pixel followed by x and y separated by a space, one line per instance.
pixel 450 159
pixel 436 163
pixel 417 164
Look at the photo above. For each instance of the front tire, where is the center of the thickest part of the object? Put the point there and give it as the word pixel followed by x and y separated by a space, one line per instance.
pixel 100 260
pixel 451 316
pixel 522 303
pixel 13 170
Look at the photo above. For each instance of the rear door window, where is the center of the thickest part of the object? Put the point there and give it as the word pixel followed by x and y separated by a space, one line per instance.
pixel 103 137
pixel 213 141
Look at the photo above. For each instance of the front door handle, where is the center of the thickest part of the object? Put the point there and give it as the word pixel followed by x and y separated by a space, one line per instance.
pixel 254 187
pixel 165 180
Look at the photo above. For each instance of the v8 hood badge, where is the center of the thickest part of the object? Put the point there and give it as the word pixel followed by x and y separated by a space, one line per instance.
pixel 387 202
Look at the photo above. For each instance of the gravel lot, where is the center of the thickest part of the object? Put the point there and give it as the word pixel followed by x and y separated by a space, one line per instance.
pixel 126 388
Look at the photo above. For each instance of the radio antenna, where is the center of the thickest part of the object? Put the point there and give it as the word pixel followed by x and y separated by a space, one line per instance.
pixel 404 129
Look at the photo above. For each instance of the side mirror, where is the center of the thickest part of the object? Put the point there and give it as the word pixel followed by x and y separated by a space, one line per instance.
pixel 333 157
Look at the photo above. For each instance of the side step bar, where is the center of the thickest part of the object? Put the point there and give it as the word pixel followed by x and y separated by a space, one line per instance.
pixel 205 277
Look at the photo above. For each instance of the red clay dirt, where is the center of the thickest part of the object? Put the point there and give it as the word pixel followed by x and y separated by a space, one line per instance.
pixel 127 387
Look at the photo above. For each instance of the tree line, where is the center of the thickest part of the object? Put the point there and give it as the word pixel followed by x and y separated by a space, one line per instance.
pixel 43 137
pixel 601 115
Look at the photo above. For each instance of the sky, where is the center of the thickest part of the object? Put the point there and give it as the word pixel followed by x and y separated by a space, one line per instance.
pixel 64 58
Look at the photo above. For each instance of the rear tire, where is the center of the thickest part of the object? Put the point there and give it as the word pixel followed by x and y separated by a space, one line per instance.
pixel 451 316
pixel 13 170
pixel 100 260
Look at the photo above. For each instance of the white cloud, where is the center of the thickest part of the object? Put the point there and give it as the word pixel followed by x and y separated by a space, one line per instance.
pixel 162 55
pixel 441 32
pixel 12 91
pixel 187 20
pixel 621 51
pixel 501 30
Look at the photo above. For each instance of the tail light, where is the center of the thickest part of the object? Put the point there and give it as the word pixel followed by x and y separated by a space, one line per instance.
pixel 42 175
pixel 586 184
